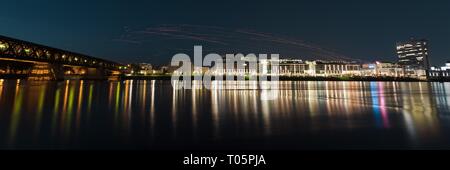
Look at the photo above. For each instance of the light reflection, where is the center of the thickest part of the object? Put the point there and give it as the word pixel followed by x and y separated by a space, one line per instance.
pixel 143 101
pixel 376 103
pixel 174 112
pixel 130 99
pixel 126 111
pixel 196 85
pixel 215 112
pixel 418 109
pixel 78 115
pixel 55 111
pixel 110 94
pixel 442 100
pixel 266 116
pixel 64 110
pixel 90 97
pixel 69 114
pixel 384 112
pixel 152 109
pixel 16 114
pixel 117 103
pixel 40 108
pixel 1 88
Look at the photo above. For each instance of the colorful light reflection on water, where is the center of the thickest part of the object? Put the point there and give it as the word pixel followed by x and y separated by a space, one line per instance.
pixel 152 115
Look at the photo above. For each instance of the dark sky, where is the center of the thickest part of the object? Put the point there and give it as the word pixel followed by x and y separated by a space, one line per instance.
pixel 153 31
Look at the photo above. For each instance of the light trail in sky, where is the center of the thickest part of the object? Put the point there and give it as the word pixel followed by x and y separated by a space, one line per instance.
pixel 223 40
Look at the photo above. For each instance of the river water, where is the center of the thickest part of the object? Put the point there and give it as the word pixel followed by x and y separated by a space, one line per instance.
pixel 151 115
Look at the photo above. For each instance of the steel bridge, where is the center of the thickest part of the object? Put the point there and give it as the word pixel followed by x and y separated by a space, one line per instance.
pixel 57 63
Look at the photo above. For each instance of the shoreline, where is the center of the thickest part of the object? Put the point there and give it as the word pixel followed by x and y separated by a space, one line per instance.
pixel 281 78
pixel 290 78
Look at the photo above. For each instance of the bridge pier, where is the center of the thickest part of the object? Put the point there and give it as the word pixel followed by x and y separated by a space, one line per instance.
pixel 95 74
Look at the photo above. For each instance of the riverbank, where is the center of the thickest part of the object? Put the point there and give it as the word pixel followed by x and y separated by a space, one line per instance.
pixel 291 78
pixel 281 78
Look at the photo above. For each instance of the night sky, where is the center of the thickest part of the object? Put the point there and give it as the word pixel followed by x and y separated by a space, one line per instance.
pixel 153 31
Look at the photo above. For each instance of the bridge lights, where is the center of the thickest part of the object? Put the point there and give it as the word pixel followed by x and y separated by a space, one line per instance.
pixel 18 50
pixel 3 46
pixel 38 53
pixel 27 51
pixel 48 54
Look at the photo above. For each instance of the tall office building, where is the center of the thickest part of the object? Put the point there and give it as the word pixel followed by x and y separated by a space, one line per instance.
pixel 413 54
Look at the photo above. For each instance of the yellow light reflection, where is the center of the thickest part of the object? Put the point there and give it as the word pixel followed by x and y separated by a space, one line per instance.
pixel 16 114
pixel 194 95
pixel 215 112
pixel 174 108
pixel 116 110
pixel 40 107
pixel 152 109
pixel 55 110
pixel 79 108
pixel 143 101
pixel 69 114
pixel 1 88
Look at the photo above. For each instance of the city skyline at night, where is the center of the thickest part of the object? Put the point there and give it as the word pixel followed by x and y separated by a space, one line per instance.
pixel 224 83
pixel 153 31
pixel 39 62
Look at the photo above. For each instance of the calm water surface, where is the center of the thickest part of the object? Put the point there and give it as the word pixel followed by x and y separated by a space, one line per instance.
pixel 152 115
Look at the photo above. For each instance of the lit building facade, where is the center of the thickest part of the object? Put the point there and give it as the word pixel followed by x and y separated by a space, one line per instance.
pixel 293 67
pixel 145 68
pixel 318 68
pixel 388 69
pixel 413 56
pixel 139 69
pixel 303 68
pixel 440 72
pixel 337 68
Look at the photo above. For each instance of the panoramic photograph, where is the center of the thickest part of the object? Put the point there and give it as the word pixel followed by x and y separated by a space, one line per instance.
pixel 224 83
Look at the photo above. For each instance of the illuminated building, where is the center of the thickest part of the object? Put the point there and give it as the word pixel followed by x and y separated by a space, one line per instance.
pixel 145 68
pixel 440 72
pixel 294 67
pixel 369 70
pixel 413 56
pixel 337 68
pixel 446 67
pixel 139 69
pixel 389 69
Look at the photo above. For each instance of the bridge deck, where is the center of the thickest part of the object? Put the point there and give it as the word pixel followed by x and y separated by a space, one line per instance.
pixel 14 49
